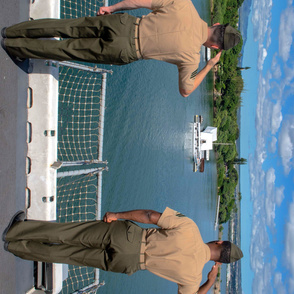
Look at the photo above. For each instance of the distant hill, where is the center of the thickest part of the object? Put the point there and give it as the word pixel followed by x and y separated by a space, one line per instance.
pixel 244 12
pixel 234 282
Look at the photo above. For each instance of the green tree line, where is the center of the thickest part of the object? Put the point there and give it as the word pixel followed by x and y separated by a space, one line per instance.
pixel 227 100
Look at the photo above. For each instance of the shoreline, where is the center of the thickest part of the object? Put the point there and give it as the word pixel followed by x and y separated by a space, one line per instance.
pixel 216 286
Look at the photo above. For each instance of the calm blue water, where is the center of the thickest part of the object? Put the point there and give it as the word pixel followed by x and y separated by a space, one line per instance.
pixel 148 144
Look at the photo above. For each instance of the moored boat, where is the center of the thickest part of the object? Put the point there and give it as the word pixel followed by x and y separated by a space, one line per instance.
pixel 202 143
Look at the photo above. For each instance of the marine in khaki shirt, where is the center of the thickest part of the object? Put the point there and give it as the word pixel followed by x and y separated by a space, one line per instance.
pixel 174 32
pixel 174 251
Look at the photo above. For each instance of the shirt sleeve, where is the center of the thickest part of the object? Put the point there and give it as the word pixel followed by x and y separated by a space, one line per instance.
pixel 188 289
pixel 171 219
pixel 187 75
pixel 157 4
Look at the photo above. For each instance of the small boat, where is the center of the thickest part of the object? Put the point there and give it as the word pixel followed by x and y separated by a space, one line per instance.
pixel 207 53
pixel 202 143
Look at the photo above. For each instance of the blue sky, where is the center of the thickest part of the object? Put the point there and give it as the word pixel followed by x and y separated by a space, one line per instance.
pixel 267 139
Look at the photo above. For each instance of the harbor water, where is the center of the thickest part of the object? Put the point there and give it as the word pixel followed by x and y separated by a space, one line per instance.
pixel 148 144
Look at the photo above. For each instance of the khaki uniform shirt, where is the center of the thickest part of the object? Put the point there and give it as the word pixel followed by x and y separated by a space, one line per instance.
pixel 177 252
pixel 174 32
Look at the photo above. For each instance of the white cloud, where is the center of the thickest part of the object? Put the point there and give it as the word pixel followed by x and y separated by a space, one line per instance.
pixel 264 200
pixel 269 40
pixel 261 20
pixel 278 283
pixel 289 245
pixel 262 119
pixel 275 68
pixel 261 16
pixel 274 197
pixel 257 178
pixel 263 277
pixel 268 118
pixel 285 32
pixel 276 117
pixel 281 86
pixel 277 90
pixel 281 80
pixel 280 195
pixel 270 180
pixel 286 143
pixel 291 285
pixel 273 145
pixel 274 131
pixel 262 54
pixel 289 75
pixel 265 196
pixel 289 239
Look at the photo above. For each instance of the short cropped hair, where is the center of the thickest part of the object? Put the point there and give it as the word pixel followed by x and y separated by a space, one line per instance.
pixel 225 254
pixel 217 36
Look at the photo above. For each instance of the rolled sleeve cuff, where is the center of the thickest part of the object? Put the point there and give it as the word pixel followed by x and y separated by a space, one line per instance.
pixel 162 220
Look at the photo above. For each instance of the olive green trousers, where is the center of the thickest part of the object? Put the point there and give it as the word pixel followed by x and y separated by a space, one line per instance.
pixel 111 247
pixel 108 39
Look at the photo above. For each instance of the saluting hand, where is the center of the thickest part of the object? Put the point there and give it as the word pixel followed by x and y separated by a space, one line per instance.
pixel 109 217
pixel 104 10
pixel 213 273
pixel 213 61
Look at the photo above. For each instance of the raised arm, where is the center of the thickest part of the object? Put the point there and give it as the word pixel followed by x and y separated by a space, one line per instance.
pixel 141 215
pixel 202 74
pixel 125 5
pixel 210 279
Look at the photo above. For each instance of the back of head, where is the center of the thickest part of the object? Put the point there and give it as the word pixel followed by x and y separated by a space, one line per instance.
pixel 225 36
pixel 229 252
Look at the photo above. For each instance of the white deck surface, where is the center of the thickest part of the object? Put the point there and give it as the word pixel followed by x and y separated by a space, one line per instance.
pixel 16 275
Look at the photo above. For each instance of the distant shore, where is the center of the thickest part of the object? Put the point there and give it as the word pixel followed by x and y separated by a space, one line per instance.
pixel 216 287
pixel 211 12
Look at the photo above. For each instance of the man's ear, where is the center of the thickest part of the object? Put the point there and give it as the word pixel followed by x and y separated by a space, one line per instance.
pixel 216 24
pixel 219 242
pixel 214 47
